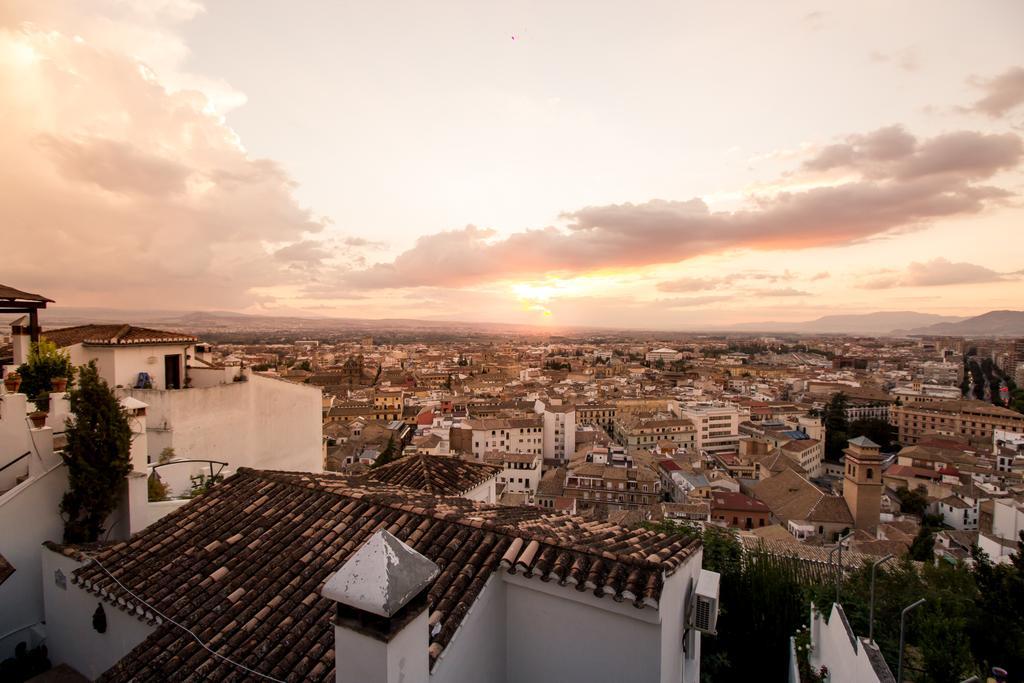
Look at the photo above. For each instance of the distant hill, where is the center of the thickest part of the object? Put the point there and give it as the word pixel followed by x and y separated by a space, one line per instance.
pixel 991 324
pixel 226 322
pixel 880 323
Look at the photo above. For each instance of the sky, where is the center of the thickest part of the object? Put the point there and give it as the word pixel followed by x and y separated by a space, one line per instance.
pixel 664 165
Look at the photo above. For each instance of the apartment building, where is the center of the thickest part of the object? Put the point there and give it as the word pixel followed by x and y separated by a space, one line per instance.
pixel 597 414
pixel 505 435
pixel 520 472
pixel 973 419
pixel 717 425
pixel 921 392
pixel 643 432
pixel 559 430
pixel 665 355
pixel 615 488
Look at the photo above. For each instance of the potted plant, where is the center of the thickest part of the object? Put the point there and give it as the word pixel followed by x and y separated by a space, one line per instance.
pixel 12 382
pixel 59 384
pixel 38 418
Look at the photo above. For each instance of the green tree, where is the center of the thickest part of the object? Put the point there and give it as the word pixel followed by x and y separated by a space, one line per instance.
pixel 97 456
pixel 45 363
pixel 390 453
pixel 881 432
pixel 922 548
pixel 913 502
pixel 997 638
pixel 835 426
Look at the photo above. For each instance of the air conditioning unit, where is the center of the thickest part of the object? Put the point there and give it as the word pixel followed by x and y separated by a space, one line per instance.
pixel 704 612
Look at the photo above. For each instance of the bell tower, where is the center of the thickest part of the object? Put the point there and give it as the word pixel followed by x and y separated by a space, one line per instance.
pixel 862 482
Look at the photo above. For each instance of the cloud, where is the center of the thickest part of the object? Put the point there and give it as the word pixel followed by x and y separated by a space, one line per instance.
pixel 358 242
pixel 306 251
pixel 937 273
pixel 820 276
pixel 691 284
pixel 700 284
pixel 1002 93
pixel 780 291
pixel 892 153
pixel 693 301
pixel 814 21
pixel 900 183
pixel 905 59
pixel 125 186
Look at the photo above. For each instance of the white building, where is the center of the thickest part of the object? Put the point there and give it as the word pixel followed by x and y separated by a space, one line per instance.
pixel 517 595
pixel 665 355
pixel 256 421
pixel 507 435
pixel 559 430
pixel 718 425
pixel 1007 523
pixel 959 513
pixel 521 472
pixel 204 412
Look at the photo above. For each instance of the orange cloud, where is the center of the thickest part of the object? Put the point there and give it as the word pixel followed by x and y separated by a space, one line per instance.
pixel 901 183
pixel 115 183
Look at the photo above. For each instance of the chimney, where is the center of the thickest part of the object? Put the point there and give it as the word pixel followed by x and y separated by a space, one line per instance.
pixel 380 630
pixel 21 340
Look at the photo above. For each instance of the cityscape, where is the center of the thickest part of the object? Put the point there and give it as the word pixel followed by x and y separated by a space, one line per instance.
pixel 457 343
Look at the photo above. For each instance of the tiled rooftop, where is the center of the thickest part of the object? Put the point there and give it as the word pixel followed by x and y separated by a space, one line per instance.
pixel 440 475
pixel 243 567
pixel 114 335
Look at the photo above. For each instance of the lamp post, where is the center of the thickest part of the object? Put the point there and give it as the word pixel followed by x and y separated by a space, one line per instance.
pixel 903 622
pixel 871 610
pixel 839 566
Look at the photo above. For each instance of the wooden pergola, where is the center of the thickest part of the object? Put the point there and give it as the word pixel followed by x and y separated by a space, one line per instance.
pixel 16 301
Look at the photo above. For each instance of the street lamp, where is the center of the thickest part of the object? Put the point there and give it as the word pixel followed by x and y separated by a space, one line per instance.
pixel 903 622
pixel 871 611
pixel 839 566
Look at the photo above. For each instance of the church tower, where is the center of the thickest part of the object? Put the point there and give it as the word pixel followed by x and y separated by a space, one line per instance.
pixel 862 482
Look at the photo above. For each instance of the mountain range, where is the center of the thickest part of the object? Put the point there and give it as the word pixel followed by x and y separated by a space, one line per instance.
pixel 882 323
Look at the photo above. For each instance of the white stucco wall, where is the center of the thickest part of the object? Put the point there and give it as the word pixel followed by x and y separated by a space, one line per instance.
pixel 14 437
pixel 120 366
pixel 261 423
pixel 28 516
pixel 675 664
pixel 360 658
pixel 833 648
pixel 484 492
pixel 477 650
pixel 530 478
pixel 70 636
pixel 557 640
pixel 564 446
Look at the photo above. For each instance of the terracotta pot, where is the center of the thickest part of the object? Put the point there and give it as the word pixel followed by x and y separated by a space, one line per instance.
pixel 12 383
pixel 38 419
pixel 59 384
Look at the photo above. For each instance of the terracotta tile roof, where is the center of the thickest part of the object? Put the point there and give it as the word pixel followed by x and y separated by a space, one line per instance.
pixel 727 500
pixel 242 566
pixel 791 497
pixel 552 483
pixel 12 294
pixel 113 335
pixel 440 475
pixel 815 555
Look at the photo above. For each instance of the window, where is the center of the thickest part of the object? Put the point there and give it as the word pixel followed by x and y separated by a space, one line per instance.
pixel 871 473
